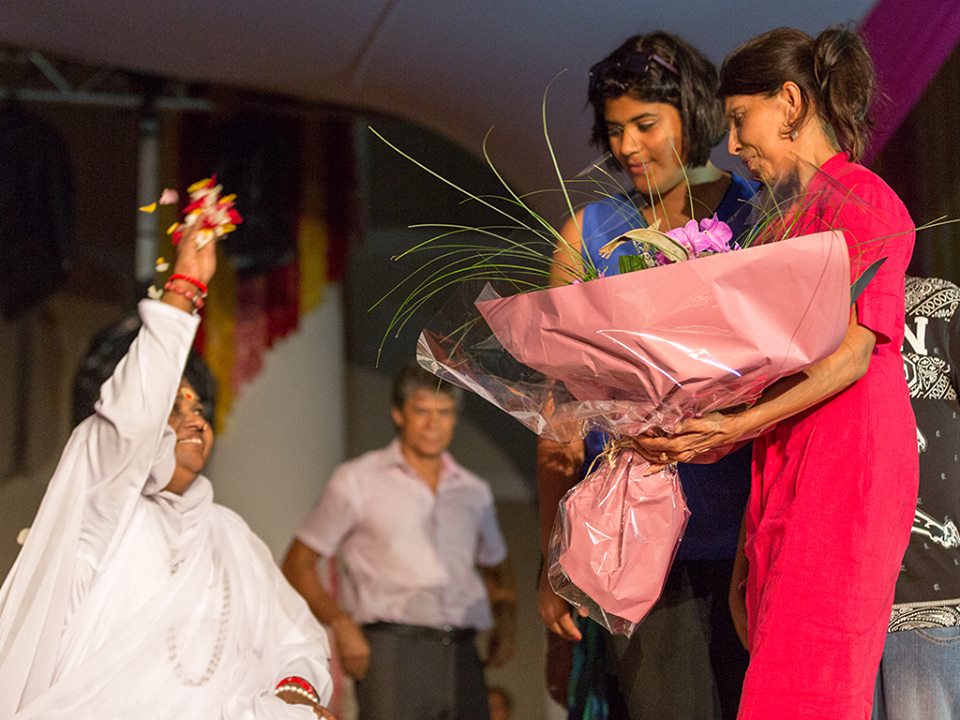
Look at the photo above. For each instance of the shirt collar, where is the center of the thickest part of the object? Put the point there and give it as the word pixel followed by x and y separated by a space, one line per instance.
pixel 449 468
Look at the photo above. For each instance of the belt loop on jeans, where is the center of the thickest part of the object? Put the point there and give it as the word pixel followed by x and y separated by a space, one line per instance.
pixel 445 635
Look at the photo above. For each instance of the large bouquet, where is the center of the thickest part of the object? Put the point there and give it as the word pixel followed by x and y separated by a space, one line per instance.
pixel 629 354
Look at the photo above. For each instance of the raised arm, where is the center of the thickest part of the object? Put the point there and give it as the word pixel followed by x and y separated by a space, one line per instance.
pixel 135 402
pixel 99 478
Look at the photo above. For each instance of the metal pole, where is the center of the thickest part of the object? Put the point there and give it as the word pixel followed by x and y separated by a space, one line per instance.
pixel 147 192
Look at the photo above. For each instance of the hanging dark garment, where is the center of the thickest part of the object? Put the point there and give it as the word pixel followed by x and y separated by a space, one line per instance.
pixel 35 210
pixel 258 159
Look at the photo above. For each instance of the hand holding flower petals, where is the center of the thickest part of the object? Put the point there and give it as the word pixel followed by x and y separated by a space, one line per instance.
pixel 209 215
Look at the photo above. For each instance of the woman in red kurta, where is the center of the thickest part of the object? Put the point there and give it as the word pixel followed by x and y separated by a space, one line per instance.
pixel 835 472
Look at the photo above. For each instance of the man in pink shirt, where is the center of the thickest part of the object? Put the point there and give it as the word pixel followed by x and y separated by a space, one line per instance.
pixel 425 562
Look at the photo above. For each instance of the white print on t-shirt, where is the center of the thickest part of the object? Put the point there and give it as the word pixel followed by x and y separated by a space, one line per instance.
pixel 944 533
pixel 928 377
pixel 917 338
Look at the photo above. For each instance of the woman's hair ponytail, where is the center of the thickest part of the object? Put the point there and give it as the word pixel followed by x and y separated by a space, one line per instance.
pixel 834 73
pixel 845 78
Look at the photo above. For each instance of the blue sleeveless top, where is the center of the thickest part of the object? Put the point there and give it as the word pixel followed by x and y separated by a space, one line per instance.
pixel 716 494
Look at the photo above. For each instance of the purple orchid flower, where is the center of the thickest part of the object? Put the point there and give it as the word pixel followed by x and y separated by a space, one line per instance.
pixel 710 235
pixel 717 233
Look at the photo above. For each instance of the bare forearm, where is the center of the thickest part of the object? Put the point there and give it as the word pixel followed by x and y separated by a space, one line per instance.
pixel 784 399
pixel 736 597
pixel 505 618
pixel 321 603
pixel 502 590
pixel 558 469
pixel 500 582
pixel 299 566
pixel 301 573
pixel 740 565
pixel 800 392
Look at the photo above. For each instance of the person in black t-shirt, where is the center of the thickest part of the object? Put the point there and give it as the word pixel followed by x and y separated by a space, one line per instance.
pixel 919 675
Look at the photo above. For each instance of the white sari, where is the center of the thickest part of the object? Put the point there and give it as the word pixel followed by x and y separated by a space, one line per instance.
pixel 128 601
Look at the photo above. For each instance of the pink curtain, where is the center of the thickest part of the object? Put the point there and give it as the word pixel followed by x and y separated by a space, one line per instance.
pixel 910 40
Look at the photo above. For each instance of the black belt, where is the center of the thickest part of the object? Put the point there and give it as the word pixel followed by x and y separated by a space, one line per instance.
pixel 445 635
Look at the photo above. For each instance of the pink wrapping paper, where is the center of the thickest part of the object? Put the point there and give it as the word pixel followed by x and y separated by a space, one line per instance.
pixel 632 352
pixel 615 538
pixel 687 337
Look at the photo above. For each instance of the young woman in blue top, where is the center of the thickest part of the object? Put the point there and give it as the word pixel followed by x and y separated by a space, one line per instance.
pixel 656 112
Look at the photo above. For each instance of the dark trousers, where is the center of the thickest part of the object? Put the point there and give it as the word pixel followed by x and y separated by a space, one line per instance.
pixel 421 674
pixel 685 661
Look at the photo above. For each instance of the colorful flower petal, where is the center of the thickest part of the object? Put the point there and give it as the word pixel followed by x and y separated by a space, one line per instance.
pixel 168 197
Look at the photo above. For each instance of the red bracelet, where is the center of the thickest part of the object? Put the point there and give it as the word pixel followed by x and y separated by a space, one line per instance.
pixel 193 281
pixel 195 298
pixel 301 683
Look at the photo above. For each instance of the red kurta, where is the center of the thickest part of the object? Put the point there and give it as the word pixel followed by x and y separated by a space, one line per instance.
pixel 834 491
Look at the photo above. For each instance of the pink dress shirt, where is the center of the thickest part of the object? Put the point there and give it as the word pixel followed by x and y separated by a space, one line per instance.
pixel 410 555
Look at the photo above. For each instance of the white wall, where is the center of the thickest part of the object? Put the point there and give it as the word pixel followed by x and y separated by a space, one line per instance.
pixel 287 430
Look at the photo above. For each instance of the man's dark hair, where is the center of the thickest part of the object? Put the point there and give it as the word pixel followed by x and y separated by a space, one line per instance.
pixel 412 378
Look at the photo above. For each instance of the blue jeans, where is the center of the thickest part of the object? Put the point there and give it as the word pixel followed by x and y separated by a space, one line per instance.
pixel 919 676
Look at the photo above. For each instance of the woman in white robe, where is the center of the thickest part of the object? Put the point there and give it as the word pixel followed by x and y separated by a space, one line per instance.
pixel 135 595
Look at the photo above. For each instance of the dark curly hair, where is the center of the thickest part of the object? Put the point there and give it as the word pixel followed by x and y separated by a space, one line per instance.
pixel 663 68
pixel 108 347
pixel 834 72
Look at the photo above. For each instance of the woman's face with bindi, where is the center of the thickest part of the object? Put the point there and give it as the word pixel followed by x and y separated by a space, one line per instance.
pixel 194 434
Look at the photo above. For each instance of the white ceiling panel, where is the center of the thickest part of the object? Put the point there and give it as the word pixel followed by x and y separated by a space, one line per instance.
pixel 456 66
